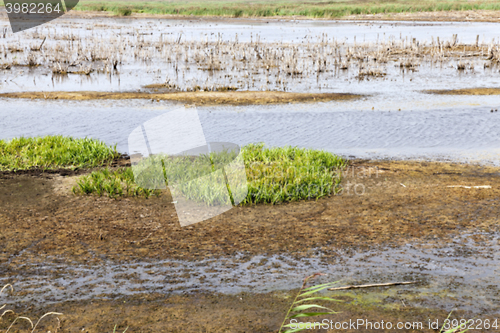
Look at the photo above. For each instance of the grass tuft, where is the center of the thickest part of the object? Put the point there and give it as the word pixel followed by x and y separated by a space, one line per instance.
pixel 52 152
pixel 274 175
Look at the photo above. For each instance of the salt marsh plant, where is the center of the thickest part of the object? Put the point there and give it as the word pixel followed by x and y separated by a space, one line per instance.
pixel 285 174
pixel 274 175
pixel 113 183
pixel 51 152
pixel 302 302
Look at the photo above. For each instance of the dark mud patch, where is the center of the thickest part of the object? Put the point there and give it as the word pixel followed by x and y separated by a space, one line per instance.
pixel 196 98
pixel 469 91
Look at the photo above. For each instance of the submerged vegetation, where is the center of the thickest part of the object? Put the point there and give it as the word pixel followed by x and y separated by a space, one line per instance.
pixel 274 175
pixel 52 152
pixel 316 9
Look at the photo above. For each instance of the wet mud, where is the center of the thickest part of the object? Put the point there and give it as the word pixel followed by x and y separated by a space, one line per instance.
pixel 438 16
pixel 195 98
pixel 470 91
pixel 103 261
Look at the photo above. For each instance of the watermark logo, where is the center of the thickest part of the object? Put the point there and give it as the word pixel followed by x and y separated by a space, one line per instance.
pixel 24 14
pixel 205 179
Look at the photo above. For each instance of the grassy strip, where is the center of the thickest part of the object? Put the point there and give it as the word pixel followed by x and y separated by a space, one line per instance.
pixel 53 152
pixel 315 9
pixel 274 175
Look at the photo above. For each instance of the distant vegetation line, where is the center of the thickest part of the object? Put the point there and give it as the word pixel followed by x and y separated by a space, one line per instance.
pixel 316 9
pixel 290 8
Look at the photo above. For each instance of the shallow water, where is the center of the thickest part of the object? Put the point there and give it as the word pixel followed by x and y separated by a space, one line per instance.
pixel 148 64
pixel 437 127
pixel 452 275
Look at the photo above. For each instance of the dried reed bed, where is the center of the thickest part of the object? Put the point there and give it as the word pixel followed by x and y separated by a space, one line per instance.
pixel 214 63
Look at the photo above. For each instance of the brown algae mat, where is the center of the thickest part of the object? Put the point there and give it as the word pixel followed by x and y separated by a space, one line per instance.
pixel 383 203
pixel 197 98
pixel 468 91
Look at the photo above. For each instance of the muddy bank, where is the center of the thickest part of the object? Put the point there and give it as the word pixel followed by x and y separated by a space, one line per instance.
pixel 383 203
pixel 437 16
pixel 469 91
pixel 103 262
pixel 215 313
pixel 196 98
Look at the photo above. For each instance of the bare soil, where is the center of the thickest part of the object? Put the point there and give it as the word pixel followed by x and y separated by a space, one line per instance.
pixel 402 202
pixel 212 313
pixel 196 98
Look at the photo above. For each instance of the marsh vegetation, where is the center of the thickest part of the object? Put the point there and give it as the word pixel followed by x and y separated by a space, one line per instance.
pixel 274 175
pixel 216 63
pixel 53 152
pixel 308 8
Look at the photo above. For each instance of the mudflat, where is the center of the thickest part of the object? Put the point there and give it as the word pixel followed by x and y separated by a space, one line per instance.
pixel 383 203
pixel 196 98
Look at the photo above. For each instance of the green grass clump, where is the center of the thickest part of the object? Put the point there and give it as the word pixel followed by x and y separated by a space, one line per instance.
pixel 289 173
pixel 123 11
pixel 274 175
pixel 53 152
pixel 113 183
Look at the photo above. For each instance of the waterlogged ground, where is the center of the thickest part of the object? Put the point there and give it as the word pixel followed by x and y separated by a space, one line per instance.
pixel 103 262
pixel 394 221
pixel 298 56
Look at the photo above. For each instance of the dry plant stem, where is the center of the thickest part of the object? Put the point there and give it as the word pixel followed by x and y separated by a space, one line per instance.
pixel 373 285
pixel 5 287
pixel 15 320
